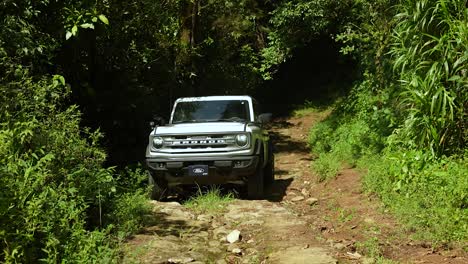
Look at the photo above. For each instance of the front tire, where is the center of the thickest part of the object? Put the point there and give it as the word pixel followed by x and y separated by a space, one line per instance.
pixel 255 185
pixel 158 187
pixel 269 170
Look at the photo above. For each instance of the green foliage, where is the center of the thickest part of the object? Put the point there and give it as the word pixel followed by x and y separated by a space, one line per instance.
pixel 51 175
pixel 336 143
pixel 212 201
pixel 293 25
pixel 370 247
pixel 326 166
pixel 129 213
pixel 429 48
pixel 366 36
pixel 54 188
pixel 430 195
pixel 409 134
pixel 352 131
pixel 55 191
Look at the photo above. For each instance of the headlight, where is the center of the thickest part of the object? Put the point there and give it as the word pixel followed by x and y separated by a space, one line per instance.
pixel 242 140
pixel 158 142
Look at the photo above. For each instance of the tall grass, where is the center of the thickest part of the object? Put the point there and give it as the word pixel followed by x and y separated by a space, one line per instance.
pixel 429 49
pixel 211 201
pixel 410 135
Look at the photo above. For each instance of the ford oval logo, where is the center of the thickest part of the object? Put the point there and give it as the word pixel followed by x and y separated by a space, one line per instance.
pixel 198 170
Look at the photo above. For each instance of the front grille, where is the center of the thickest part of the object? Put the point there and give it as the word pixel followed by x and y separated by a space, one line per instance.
pixel 200 143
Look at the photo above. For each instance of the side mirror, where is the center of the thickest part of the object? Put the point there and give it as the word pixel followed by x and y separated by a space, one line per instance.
pixel 157 121
pixel 264 118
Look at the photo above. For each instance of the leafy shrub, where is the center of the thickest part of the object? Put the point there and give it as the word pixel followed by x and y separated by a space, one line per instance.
pixel 430 195
pixel 409 135
pixel 129 212
pixel 320 137
pixel 326 166
pixel 347 134
pixel 55 192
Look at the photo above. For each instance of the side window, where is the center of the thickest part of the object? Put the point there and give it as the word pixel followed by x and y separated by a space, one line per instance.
pixel 256 109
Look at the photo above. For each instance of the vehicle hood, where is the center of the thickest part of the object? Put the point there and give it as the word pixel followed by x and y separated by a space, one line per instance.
pixel 201 128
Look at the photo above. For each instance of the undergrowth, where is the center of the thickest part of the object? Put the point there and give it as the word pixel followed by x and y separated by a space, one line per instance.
pixel 428 193
pixel 58 203
pixel 404 123
pixel 211 201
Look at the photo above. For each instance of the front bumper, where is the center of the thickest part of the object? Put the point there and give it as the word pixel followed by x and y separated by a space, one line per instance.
pixel 221 169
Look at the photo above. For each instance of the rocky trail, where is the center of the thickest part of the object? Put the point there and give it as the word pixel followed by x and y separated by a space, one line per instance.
pixel 300 221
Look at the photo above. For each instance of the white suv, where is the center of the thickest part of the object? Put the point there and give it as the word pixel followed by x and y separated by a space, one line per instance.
pixel 211 140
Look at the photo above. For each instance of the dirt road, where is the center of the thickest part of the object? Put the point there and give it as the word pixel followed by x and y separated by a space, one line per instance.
pixel 300 221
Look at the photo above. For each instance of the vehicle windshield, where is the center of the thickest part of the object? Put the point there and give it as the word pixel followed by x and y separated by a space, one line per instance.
pixel 211 111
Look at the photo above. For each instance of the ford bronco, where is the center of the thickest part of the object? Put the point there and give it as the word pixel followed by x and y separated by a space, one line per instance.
pixel 211 140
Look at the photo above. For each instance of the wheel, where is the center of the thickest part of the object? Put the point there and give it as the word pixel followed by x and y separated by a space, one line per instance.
pixel 269 170
pixel 158 187
pixel 255 182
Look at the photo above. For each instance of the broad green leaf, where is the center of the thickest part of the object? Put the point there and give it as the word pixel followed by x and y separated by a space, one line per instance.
pixel 104 19
pixel 68 35
pixel 87 25
pixel 74 30
pixel 61 79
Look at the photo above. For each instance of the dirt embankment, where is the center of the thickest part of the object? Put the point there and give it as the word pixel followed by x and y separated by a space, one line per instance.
pixel 300 221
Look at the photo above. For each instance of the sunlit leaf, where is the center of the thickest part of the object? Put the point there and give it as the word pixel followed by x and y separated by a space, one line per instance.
pixel 74 30
pixel 104 19
pixel 87 25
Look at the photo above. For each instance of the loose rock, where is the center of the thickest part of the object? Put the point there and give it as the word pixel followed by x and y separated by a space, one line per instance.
pixel 339 246
pixel 180 260
pixel 297 198
pixel 234 236
pixel 312 201
pixel 231 247
pixel 204 218
pixel 354 255
pixel 237 251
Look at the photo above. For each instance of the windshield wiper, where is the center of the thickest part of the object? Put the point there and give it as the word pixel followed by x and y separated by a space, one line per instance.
pixel 232 119
pixel 185 121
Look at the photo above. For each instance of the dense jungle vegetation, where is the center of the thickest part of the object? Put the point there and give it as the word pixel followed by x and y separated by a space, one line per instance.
pixel 79 81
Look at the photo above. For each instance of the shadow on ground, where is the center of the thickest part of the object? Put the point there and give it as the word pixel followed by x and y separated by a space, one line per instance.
pixel 286 144
pixel 277 191
pixel 164 224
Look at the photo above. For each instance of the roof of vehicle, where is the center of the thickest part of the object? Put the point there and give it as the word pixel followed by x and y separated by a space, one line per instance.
pixel 215 98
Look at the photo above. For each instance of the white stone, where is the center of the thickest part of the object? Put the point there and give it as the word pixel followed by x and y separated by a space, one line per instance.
pixel 297 198
pixel 233 237
pixel 354 255
pixel 237 251
pixel 312 201
pixel 180 260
